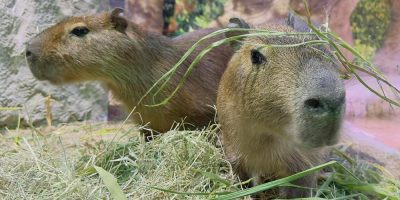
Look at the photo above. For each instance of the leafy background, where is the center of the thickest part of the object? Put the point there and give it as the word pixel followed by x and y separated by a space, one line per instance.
pixel 370 20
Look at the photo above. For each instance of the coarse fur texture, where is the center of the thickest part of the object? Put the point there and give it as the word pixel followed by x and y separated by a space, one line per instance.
pixel 108 48
pixel 278 106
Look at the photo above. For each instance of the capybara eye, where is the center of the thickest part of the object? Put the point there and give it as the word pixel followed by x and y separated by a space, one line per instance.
pixel 257 58
pixel 80 31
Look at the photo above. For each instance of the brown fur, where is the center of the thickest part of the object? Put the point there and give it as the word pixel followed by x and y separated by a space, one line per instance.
pixel 129 61
pixel 266 135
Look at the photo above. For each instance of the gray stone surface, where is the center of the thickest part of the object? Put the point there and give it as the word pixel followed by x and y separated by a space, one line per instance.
pixel 20 20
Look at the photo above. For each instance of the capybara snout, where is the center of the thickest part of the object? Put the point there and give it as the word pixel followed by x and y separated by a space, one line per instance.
pixel 320 121
pixel 320 97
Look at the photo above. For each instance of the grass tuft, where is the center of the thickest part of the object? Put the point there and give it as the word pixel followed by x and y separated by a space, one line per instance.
pixel 175 165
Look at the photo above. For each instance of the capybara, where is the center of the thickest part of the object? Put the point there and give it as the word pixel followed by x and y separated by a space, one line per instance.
pixel 106 47
pixel 278 107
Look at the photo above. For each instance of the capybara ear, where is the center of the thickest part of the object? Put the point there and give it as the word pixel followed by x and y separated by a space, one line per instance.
pixel 297 23
pixel 118 19
pixel 236 22
pixel 291 18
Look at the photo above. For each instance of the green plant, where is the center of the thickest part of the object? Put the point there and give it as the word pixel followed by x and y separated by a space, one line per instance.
pixel 203 12
pixel 370 21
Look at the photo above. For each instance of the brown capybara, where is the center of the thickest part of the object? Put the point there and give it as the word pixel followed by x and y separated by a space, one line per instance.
pixel 106 47
pixel 278 106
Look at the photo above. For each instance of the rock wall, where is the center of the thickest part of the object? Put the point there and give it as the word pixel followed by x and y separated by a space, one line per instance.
pixel 256 12
pixel 334 12
pixel 20 20
pixel 261 12
pixel 147 14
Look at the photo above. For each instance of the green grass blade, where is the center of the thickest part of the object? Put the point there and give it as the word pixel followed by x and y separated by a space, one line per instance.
pixel 189 193
pixel 191 67
pixel 275 183
pixel 111 183
pixel 10 108
pixel 325 185
pixel 335 42
pixel 349 197
pixel 167 76
pixel 372 189
pixel 214 177
pixel 308 198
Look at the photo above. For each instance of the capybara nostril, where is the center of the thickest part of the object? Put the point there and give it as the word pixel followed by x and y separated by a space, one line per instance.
pixel 319 105
pixel 28 53
pixel 32 49
pixel 314 104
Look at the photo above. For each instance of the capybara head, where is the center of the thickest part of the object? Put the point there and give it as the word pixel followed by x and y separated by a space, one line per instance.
pixel 290 89
pixel 75 49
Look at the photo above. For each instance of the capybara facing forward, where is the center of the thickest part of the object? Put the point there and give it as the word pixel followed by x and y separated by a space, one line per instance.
pixel 108 48
pixel 278 106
